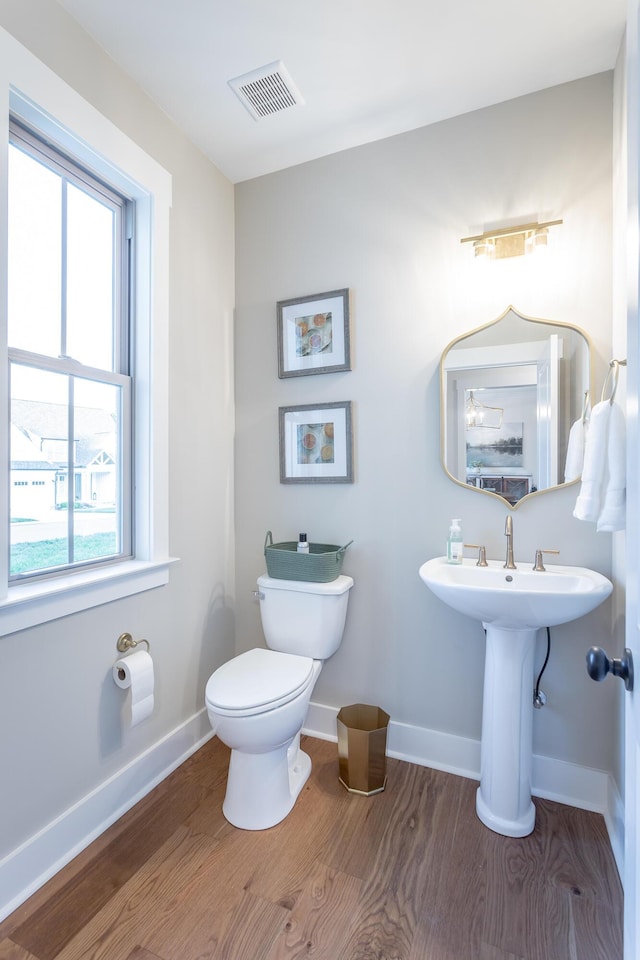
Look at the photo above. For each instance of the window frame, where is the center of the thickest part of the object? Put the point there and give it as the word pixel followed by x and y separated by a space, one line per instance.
pixel 64 166
pixel 43 101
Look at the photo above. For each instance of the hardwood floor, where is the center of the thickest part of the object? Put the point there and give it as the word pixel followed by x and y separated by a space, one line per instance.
pixel 408 874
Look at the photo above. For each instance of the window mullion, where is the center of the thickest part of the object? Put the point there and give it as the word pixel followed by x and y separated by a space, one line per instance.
pixel 65 365
pixel 63 270
pixel 71 471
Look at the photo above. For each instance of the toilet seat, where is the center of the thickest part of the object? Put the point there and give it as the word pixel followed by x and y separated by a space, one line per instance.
pixel 257 681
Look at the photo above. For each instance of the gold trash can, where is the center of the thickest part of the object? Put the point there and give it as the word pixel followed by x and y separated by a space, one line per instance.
pixel 362 743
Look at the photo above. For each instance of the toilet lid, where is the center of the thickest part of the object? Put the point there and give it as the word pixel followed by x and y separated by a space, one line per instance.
pixel 258 680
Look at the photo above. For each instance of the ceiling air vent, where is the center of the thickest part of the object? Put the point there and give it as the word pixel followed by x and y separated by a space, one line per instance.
pixel 266 90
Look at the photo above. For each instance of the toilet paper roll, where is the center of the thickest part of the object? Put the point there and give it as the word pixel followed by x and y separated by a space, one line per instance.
pixel 135 672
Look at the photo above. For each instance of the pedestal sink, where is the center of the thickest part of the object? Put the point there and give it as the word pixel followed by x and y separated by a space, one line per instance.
pixel 512 605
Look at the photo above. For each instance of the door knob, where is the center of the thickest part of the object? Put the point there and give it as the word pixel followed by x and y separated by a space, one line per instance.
pixel 599 665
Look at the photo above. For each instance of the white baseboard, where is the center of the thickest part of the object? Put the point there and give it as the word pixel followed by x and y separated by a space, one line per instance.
pixel 28 867
pixel 614 819
pixel 552 779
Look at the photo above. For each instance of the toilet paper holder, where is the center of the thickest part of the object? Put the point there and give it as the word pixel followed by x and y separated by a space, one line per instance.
pixel 126 642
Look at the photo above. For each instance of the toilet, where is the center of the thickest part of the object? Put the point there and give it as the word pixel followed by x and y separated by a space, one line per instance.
pixel 257 702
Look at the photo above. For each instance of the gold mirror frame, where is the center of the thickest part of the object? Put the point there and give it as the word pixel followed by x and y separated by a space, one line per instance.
pixel 574 398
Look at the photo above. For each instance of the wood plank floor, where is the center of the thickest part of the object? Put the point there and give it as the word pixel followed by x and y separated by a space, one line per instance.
pixel 408 874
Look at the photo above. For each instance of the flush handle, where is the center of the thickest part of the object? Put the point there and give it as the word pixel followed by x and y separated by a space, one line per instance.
pixel 599 665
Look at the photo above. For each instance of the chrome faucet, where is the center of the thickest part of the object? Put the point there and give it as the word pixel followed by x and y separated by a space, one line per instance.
pixel 508 532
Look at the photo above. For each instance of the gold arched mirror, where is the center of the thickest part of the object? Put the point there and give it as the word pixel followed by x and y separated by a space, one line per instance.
pixel 510 391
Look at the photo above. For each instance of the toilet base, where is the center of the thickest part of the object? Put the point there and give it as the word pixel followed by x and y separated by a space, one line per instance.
pixel 263 787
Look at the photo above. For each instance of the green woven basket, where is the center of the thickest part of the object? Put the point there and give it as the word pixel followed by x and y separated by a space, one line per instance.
pixel 322 564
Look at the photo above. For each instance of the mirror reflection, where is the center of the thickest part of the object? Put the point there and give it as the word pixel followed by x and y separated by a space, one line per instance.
pixel 510 392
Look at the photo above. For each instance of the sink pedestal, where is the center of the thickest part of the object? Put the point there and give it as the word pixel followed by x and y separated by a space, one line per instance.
pixel 503 800
pixel 512 604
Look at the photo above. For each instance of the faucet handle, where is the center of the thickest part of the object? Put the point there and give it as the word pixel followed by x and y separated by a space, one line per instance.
pixel 482 553
pixel 538 565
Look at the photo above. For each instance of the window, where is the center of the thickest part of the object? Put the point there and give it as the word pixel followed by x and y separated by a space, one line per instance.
pixel 69 244
pixel 122 375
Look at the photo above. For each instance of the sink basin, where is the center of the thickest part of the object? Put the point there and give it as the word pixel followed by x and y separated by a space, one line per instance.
pixel 512 605
pixel 516 599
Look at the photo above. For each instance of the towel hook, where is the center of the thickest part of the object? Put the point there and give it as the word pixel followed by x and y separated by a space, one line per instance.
pixel 126 642
pixel 612 373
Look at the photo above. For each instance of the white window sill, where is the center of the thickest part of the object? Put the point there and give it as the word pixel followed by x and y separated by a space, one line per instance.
pixel 30 604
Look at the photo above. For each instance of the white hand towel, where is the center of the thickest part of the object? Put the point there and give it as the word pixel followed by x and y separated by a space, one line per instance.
pixel 589 499
pixel 575 450
pixel 613 515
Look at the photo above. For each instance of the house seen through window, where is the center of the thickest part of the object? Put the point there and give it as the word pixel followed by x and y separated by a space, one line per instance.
pixel 69 363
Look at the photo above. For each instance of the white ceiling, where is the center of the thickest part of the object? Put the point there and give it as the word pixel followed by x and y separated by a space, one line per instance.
pixel 367 69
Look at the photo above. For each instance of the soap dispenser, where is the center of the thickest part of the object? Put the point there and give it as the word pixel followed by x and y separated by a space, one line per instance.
pixel 454 543
pixel 303 545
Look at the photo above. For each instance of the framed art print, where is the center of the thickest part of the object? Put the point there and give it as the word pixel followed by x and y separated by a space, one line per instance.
pixel 313 334
pixel 316 443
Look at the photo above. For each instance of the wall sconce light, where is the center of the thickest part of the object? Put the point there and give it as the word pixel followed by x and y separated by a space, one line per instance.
pixel 478 414
pixel 511 241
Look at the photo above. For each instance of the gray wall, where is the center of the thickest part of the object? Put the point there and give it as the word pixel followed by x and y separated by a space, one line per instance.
pixel 385 220
pixel 60 712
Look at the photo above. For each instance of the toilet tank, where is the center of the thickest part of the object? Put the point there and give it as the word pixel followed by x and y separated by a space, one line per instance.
pixel 304 618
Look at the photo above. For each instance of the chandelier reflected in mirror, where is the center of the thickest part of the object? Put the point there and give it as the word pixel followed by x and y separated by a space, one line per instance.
pixel 478 414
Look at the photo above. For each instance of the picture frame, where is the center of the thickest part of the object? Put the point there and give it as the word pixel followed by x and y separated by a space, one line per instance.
pixel 314 334
pixel 496 448
pixel 316 443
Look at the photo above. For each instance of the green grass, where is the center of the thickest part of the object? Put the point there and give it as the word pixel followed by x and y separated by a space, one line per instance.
pixel 86 507
pixel 44 554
